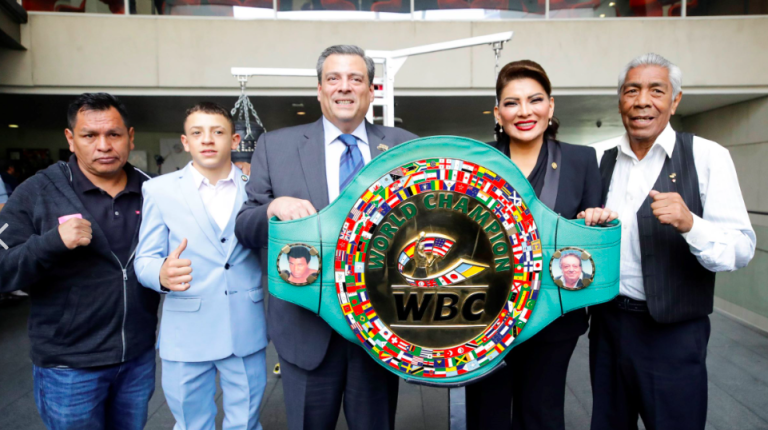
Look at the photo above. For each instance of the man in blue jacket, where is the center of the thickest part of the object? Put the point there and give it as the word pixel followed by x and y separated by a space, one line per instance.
pixel 70 238
pixel 213 313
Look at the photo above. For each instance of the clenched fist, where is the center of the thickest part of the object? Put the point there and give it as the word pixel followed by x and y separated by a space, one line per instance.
pixel 670 209
pixel 76 232
pixel 175 272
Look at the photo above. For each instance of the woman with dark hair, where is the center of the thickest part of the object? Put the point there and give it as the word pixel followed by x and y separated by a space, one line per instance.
pixel 566 178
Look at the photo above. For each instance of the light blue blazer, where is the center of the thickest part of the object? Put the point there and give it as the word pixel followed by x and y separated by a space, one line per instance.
pixel 222 313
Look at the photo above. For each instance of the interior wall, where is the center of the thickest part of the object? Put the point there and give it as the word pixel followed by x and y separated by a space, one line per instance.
pixel 178 53
pixel 743 129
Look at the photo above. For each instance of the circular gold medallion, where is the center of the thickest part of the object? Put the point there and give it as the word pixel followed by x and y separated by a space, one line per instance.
pixel 437 267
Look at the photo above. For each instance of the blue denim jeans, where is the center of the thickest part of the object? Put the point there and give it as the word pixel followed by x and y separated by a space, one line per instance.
pixel 105 397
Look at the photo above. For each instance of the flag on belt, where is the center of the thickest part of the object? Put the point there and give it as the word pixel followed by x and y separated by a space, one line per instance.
pixel 385 181
pixel 441 246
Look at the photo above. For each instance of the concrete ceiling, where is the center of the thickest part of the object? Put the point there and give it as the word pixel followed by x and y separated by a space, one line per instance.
pixel 423 115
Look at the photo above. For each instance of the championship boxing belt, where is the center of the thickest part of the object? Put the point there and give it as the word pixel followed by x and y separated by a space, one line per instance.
pixel 435 258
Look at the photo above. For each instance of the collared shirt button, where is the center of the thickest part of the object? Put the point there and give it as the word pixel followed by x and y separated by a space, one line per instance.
pixel 223 240
pixel 226 266
pixel 117 213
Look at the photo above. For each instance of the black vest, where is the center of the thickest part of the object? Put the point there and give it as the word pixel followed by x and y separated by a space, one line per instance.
pixel 677 286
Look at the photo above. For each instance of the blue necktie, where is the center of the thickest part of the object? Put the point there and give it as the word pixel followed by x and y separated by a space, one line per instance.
pixel 351 160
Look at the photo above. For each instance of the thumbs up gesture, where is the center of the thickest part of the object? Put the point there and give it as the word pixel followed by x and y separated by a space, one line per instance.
pixel 175 272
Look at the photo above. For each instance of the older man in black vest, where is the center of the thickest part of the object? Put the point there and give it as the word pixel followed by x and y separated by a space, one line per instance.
pixel 683 219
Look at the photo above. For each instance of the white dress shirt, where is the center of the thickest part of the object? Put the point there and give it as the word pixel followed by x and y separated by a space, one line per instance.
pixel 333 150
pixel 219 199
pixel 723 240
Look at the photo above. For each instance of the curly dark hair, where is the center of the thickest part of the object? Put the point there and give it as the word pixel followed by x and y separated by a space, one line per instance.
pixel 299 252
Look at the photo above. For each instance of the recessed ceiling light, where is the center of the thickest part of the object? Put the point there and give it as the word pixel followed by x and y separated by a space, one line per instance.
pixel 301 113
pixel 602 15
pixel 611 4
pixel 13 126
pixel 486 112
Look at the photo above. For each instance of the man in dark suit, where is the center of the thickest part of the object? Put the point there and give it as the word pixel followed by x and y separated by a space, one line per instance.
pixel 295 172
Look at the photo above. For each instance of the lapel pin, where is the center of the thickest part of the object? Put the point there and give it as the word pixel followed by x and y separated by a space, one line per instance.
pixel 244 178
pixel 382 147
pixel 673 176
pixel 554 165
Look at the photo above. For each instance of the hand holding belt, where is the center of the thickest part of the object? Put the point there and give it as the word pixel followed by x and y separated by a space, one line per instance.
pixel 478 186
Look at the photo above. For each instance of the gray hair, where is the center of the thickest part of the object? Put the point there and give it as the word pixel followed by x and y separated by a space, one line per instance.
pixel 651 59
pixel 345 50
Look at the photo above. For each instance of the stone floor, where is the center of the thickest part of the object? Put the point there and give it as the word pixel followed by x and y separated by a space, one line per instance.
pixel 737 361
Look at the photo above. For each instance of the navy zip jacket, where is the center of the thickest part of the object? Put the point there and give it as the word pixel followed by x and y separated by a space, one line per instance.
pixel 87 309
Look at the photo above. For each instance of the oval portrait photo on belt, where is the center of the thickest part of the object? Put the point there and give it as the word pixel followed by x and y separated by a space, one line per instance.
pixel 298 264
pixel 572 268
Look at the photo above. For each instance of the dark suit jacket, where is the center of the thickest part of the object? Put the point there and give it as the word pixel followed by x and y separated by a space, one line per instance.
pixel 291 162
pixel 579 188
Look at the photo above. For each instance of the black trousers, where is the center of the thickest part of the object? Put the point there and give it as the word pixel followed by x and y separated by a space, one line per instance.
pixel 641 367
pixel 349 375
pixel 531 387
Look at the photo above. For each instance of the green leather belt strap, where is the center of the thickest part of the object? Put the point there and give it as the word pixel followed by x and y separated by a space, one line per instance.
pixel 323 231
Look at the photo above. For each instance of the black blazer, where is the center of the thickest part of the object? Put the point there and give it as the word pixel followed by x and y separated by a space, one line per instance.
pixel 579 188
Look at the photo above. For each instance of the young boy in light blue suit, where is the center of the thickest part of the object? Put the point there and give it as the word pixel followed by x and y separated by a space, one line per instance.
pixel 213 314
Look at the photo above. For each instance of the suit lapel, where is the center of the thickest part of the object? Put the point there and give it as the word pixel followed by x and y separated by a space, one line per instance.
pixel 312 155
pixel 549 193
pixel 195 203
pixel 375 139
pixel 239 200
